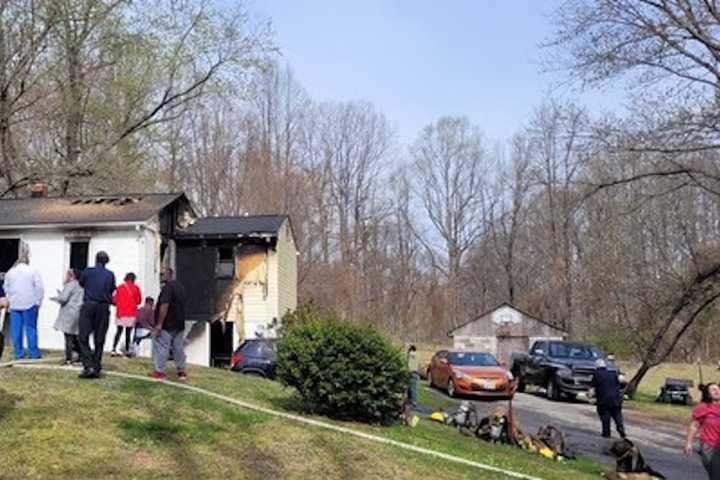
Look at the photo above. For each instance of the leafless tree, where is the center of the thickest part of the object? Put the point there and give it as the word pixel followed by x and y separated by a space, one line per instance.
pixel 449 163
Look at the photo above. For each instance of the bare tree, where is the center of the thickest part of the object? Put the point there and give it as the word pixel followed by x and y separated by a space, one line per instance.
pixel 450 161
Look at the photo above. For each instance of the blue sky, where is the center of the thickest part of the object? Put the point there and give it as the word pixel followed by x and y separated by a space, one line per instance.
pixel 417 60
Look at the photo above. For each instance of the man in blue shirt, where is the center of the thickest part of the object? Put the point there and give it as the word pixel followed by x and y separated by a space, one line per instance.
pixel 99 285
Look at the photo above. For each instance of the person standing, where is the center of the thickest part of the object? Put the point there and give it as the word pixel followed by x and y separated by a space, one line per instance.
pixel 144 324
pixel 706 424
pixel 3 309
pixel 24 289
pixel 68 319
pixel 127 298
pixel 412 364
pixel 169 330
pixel 99 285
pixel 608 395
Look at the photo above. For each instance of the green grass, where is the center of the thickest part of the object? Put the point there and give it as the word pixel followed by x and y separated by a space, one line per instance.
pixel 644 401
pixel 55 425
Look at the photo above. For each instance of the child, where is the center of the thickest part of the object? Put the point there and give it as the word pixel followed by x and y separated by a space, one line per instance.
pixel 144 324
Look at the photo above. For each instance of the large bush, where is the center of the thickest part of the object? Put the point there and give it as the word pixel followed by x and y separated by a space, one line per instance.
pixel 342 370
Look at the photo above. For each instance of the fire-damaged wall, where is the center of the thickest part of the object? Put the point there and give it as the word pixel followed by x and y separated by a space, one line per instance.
pixel 227 283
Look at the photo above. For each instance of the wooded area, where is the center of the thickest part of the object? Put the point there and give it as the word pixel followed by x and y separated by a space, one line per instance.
pixel 605 226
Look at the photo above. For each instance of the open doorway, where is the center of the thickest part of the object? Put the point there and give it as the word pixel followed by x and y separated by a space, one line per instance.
pixel 9 249
pixel 221 344
pixel 79 254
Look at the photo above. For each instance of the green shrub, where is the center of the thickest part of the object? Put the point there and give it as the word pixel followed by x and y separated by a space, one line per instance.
pixel 341 370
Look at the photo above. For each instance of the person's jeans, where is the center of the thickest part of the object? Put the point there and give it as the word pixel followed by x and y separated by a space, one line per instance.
pixel 24 323
pixel 166 342
pixel 608 413
pixel 94 319
pixel 71 345
pixel 412 389
pixel 711 461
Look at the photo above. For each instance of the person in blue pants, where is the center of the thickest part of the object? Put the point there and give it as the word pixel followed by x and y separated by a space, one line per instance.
pixel 24 290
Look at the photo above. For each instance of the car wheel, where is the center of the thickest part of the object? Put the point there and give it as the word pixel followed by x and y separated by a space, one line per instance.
pixel 451 388
pixel 551 390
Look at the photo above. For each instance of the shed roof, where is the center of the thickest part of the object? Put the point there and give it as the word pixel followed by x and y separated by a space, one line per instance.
pixel 87 209
pixel 505 304
pixel 248 225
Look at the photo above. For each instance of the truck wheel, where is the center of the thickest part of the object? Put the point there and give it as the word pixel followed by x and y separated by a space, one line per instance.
pixel 451 388
pixel 551 389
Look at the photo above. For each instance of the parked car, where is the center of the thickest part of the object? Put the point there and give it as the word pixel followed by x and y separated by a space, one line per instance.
pixel 256 357
pixel 564 369
pixel 675 390
pixel 470 373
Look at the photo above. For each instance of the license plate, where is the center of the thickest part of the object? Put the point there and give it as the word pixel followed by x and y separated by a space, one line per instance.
pixel 490 384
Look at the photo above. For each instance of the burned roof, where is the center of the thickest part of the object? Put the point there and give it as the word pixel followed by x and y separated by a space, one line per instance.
pixel 242 226
pixel 83 210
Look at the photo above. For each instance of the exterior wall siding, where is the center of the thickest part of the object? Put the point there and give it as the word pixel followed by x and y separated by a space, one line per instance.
pixel 287 272
pixel 50 254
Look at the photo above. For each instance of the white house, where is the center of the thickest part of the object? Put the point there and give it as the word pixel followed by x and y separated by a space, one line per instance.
pixel 229 299
pixel 503 330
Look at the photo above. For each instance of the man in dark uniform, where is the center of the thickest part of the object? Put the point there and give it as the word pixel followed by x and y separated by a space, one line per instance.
pixel 609 398
pixel 99 285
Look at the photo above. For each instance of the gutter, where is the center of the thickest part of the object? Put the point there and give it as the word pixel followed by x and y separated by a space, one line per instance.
pixel 71 226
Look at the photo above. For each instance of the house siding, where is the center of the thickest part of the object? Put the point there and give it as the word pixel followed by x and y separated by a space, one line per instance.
pixel 287 272
pixel 49 253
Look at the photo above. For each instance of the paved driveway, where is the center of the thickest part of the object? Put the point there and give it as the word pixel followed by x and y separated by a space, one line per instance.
pixel 660 443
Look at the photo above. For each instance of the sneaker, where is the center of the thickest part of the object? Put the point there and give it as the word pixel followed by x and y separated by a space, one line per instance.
pixel 182 376
pixel 87 374
pixel 155 375
pixel 65 363
pixel 114 353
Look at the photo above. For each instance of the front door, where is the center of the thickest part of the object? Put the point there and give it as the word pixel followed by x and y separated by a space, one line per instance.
pixel 509 345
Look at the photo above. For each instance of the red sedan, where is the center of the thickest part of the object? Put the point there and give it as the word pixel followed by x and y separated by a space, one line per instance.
pixel 470 373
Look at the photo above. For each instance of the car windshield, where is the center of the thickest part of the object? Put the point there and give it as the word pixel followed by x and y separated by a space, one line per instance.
pixel 575 351
pixel 474 359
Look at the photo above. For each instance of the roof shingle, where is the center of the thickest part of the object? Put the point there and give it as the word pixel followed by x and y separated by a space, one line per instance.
pixel 90 209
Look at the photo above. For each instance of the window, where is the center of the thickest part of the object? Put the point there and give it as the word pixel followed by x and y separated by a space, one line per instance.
pixel 225 267
pixel 79 255
pixel 475 359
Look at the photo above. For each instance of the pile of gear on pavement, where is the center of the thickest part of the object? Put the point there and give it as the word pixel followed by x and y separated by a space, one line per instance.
pixel 501 427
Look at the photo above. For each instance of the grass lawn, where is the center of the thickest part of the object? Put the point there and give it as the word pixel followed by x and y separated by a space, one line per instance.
pixel 55 425
pixel 644 401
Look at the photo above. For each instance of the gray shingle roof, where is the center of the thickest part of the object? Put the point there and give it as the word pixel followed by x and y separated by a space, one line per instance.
pixel 234 226
pixel 89 209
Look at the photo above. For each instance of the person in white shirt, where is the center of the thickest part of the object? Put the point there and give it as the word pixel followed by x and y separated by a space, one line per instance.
pixel 24 290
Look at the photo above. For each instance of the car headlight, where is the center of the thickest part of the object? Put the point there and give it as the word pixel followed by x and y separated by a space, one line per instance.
pixel 459 375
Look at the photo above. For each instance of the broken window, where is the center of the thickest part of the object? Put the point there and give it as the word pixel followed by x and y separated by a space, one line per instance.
pixel 225 266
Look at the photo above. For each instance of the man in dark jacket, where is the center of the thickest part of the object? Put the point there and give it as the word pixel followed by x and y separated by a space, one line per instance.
pixel 99 285
pixel 609 398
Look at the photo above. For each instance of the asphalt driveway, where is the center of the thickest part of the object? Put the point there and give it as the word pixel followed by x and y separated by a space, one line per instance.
pixel 660 442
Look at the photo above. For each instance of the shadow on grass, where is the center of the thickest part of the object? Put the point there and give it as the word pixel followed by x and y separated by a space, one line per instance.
pixel 7 402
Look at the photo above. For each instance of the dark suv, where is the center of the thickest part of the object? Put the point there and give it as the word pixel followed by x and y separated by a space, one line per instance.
pixel 564 369
pixel 256 357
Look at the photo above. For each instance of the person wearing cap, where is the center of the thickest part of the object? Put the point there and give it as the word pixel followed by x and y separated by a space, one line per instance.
pixel 99 285
pixel 608 395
